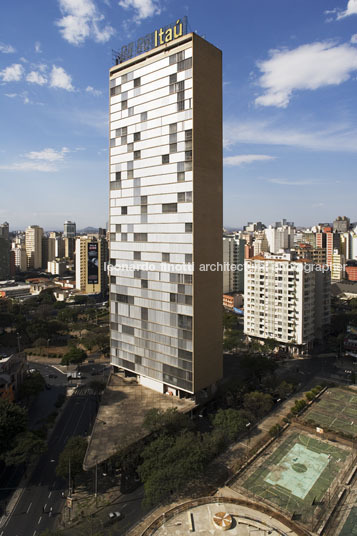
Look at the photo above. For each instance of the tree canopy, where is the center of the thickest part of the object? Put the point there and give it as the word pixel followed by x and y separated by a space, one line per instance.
pixel 258 403
pixel 13 421
pixel 171 420
pixel 28 446
pixel 74 355
pixel 170 462
pixel 73 453
pixel 231 422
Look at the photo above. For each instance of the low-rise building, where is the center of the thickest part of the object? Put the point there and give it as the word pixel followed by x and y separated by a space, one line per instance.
pixel 351 271
pixel 12 371
pixel 11 289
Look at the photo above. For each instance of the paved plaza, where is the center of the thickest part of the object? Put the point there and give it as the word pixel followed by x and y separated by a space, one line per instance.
pixel 245 522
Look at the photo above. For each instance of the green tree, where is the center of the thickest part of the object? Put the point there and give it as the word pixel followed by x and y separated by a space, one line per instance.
pixel 258 403
pixel 68 315
pixel 102 341
pixel 169 462
pixel 270 345
pixel 298 406
pixel 284 389
pixel 80 299
pixel 230 421
pixel 229 320
pixel 73 455
pixel 275 430
pixel 258 366
pixel 172 420
pixel 232 340
pixel 74 355
pixel 13 421
pixel 32 385
pixel 46 296
pixel 28 446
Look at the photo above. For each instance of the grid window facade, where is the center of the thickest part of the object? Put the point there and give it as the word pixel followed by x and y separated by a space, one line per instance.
pixel 152 310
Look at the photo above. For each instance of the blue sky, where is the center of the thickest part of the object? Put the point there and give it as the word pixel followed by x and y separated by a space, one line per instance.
pixel 290 114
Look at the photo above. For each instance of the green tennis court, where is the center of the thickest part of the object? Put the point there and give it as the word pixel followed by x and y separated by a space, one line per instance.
pixel 297 474
pixel 350 526
pixel 336 411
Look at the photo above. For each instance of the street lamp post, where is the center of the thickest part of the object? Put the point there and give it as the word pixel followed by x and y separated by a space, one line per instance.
pixel 248 429
pixel 96 484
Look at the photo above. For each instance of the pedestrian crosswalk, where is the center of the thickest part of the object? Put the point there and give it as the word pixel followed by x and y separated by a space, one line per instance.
pixel 83 390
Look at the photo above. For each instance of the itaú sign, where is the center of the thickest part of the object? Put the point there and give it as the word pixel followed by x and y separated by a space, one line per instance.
pixel 154 39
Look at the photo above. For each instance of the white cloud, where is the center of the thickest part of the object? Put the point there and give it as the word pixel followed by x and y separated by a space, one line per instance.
pixel 354 39
pixel 307 67
pixel 95 92
pixel 13 73
pixel 36 78
pixel 29 166
pixel 11 95
pixel 143 8
pixel 351 9
pixel 81 20
pixel 6 49
pixel 50 155
pixel 287 182
pixel 240 159
pixel 38 47
pixel 335 137
pixel 38 161
pixel 59 78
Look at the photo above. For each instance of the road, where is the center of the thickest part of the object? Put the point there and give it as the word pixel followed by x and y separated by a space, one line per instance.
pixel 129 505
pixel 31 514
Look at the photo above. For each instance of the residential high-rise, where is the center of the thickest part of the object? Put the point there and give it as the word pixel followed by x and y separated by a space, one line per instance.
pixel 20 257
pixel 341 224
pixel 33 243
pixel 4 259
pixel 69 245
pixel 91 260
pixel 233 260
pixel 165 213
pixel 4 251
pixel 4 230
pixel 69 229
pixel 333 243
pixel 338 266
pixel 280 237
pixel 286 299
pixel 55 246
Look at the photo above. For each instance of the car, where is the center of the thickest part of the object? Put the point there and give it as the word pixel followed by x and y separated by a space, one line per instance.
pixel 52 375
pixel 115 516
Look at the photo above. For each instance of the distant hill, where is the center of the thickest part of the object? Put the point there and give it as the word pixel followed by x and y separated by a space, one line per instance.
pixel 88 230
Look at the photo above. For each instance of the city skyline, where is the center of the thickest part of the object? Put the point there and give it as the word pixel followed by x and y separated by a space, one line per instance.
pixel 289 106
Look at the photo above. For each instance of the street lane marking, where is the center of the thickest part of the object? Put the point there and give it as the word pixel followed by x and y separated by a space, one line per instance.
pixel 34 534
pixel 27 511
pixel 45 506
pixel 2 533
pixel 49 495
pixel 39 521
